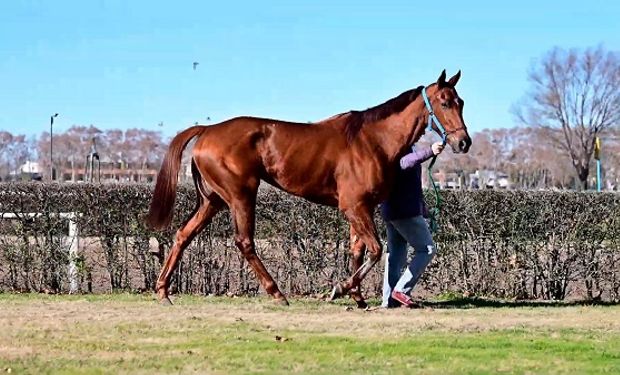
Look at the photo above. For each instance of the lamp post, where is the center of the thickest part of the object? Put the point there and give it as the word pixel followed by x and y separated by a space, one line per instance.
pixel 597 156
pixel 52 146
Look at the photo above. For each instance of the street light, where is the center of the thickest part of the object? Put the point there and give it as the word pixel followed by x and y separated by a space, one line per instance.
pixel 52 146
pixel 597 156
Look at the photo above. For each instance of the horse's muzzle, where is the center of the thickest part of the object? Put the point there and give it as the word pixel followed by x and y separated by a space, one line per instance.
pixel 464 144
pixel 460 143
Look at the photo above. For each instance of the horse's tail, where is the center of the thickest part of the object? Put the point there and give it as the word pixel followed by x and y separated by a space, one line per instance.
pixel 160 212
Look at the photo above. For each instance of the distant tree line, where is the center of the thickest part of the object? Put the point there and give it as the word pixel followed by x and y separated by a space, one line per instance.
pixel 123 154
pixel 528 158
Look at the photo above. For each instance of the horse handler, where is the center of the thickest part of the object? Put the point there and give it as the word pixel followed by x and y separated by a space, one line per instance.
pixel 403 212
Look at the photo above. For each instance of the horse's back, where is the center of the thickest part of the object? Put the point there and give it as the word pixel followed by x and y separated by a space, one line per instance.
pixel 248 135
pixel 299 158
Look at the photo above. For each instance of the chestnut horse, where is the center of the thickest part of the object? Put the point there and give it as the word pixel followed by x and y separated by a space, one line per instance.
pixel 347 161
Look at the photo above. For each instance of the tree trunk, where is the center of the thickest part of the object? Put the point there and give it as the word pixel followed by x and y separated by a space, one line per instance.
pixel 583 177
pixel 72 169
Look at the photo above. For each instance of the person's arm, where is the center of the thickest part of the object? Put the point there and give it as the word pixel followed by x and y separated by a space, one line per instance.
pixel 421 155
pixel 418 156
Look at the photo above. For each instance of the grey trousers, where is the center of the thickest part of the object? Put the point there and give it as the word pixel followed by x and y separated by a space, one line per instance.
pixel 415 232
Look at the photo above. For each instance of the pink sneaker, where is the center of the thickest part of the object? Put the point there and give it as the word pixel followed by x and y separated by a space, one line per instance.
pixel 404 299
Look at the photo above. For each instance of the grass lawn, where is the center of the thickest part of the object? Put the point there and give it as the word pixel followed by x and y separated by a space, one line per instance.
pixel 112 334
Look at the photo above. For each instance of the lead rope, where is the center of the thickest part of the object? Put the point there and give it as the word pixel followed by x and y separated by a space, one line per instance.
pixel 433 212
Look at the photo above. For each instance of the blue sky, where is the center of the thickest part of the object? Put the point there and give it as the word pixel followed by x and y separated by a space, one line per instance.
pixel 122 64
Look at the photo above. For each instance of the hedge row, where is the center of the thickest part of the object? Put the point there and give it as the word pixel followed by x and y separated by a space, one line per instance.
pixel 507 244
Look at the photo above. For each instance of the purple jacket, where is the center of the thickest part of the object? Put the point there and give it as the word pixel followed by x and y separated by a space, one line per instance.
pixel 406 198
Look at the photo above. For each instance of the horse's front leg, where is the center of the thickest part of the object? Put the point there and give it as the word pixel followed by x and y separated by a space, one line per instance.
pixel 361 221
pixel 358 250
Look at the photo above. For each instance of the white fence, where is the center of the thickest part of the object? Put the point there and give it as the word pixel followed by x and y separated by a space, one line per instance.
pixel 72 240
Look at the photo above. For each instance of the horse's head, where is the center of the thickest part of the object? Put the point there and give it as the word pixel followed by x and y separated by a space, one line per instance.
pixel 447 107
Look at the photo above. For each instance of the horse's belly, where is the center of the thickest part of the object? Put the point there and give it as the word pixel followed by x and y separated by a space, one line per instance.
pixel 315 188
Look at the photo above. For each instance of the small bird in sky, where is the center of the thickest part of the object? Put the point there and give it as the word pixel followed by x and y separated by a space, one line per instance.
pixel 195 64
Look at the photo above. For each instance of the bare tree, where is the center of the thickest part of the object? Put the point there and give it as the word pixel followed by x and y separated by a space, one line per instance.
pixel 23 151
pixel 6 140
pixel 113 152
pixel 14 151
pixel 78 141
pixel 574 96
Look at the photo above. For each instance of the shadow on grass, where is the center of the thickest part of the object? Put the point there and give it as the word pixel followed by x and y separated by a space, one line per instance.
pixel 468 303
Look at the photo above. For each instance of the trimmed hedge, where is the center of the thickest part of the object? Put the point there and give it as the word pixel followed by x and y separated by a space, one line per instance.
pixel 507 244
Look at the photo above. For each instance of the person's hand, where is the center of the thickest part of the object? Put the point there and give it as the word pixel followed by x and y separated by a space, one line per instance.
pixel 437 148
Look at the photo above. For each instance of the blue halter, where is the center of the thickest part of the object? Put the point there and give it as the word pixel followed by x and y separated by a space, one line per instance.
pixel 432 118
pixel 434 211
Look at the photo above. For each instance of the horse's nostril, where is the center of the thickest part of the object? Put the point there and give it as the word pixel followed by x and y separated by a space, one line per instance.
pixel 462 145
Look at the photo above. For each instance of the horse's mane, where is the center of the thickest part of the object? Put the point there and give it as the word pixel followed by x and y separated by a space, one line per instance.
pixel 356 119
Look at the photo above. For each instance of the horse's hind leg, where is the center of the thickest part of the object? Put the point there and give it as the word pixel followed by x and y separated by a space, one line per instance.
pixel 243 212
pixel 203 214
pixel 358 250
pixel 361 221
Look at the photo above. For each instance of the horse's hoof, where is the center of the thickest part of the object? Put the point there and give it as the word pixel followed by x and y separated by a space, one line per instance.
pixel 281 302
pixel 337 292
pixel 361 304
pixel 165 302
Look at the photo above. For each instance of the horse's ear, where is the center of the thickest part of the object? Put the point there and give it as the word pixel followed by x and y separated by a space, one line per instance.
pixel 441 81
pixel 452 81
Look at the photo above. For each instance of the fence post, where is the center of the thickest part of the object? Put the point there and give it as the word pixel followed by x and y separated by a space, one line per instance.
pixel 73 253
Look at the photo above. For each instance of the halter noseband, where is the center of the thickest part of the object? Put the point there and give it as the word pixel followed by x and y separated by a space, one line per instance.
pixel 432 118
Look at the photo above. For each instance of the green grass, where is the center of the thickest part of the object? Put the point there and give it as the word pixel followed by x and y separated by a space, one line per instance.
pixel 132 334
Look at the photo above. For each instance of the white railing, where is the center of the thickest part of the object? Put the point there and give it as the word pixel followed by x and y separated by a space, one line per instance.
pixel 73 239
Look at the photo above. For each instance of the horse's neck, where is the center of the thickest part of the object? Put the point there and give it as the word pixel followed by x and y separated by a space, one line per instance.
pixel 399 132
